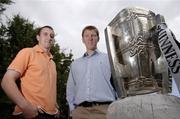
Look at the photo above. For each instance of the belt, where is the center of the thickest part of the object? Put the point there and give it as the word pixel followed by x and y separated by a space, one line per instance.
pixel 40 116
pixel 90 104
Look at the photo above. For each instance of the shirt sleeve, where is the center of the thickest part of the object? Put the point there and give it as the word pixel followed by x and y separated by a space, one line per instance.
pixel 20 62
pixel 70 91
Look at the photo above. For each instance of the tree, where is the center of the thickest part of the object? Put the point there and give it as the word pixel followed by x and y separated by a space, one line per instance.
pixel 3 3
pixel 20 33
pixel 63 62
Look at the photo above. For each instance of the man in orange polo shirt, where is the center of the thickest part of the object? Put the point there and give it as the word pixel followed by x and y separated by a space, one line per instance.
pixel 37 72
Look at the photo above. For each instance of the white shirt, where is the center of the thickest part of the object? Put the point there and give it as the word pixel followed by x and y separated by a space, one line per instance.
pixel 89 80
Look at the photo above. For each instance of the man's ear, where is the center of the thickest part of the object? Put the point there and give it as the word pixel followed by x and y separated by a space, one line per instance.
pixel 83 40
pixel 98 39
pixel 37 37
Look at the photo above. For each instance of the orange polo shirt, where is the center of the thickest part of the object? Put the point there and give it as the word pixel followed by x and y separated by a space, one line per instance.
pixel 38 78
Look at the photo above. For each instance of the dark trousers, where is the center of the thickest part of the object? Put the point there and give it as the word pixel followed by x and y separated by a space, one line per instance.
pixel 40 116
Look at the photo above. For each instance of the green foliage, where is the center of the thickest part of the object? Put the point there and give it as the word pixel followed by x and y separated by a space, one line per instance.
pixel 63 62
pixel 3 3
pixel 19 33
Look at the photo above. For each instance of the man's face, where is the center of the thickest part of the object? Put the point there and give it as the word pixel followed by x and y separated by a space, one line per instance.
pixel 46 38
pixel 90 39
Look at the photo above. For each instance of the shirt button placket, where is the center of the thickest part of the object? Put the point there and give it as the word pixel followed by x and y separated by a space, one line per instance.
pixel 88 78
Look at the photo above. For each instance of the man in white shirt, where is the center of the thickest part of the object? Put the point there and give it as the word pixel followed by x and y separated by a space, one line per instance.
pixel 89 89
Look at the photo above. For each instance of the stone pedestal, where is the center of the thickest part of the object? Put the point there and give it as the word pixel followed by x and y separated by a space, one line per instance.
pixel 154 106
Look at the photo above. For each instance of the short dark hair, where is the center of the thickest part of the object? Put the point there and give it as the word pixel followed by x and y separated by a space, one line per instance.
pixel 40 29
pixel 90 27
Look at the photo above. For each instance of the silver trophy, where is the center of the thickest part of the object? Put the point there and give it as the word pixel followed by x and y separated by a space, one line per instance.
pixel 136 61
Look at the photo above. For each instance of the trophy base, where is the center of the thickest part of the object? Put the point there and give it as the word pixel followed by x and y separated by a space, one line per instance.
pixel 142 85
pixel 142 91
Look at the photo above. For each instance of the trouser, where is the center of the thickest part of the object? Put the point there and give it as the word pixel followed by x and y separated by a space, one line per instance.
pixel 93 112
pixel 40 116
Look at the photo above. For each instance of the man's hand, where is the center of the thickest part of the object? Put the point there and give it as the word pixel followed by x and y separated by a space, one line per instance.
pixel 30 111
pixel 57 114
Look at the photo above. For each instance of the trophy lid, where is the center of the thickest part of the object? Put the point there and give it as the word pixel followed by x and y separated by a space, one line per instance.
pixel 131 12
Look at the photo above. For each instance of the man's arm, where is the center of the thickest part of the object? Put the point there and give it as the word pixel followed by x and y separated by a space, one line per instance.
pixel 10 88
pixel 70 91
